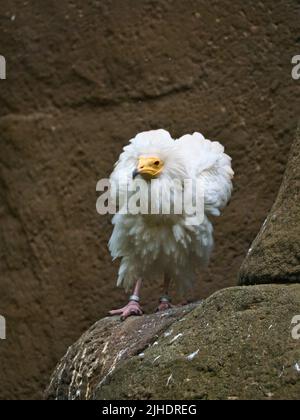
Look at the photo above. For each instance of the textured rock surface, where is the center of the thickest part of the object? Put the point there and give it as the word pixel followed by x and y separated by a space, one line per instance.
pixel 274 256
pixel 236 345
pixel 103 348
pixel 82 78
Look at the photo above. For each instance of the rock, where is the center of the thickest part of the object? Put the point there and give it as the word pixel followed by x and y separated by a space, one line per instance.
pixel 104 347
pixel 274 256
pixel 238 344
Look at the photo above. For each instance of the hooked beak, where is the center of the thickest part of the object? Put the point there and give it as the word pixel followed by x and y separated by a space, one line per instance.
pixel 148 167
pixel 135 173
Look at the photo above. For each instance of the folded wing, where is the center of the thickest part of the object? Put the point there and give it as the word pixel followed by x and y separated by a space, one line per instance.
pixel 207 162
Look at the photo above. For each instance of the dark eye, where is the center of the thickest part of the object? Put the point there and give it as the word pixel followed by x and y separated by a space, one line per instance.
pixel 156 163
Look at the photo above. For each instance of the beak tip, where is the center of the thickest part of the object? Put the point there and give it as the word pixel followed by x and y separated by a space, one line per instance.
pixel 135 173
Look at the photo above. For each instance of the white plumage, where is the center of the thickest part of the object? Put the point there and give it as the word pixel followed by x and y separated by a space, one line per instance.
pixel 152 246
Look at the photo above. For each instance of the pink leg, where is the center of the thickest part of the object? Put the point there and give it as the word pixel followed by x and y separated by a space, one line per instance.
pixel 133 307
pixel 165 302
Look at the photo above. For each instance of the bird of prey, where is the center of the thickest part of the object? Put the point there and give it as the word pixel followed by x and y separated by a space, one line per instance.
pixel 172 246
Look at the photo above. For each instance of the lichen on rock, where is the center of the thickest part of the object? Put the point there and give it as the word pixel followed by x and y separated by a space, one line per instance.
pixel 237 344
pixel 106 345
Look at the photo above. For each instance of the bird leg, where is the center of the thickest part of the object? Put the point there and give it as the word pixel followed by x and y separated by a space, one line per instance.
pixel 133 307
pixel 165 301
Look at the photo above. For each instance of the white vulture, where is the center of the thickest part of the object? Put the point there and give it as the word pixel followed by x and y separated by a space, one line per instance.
pixel 175 245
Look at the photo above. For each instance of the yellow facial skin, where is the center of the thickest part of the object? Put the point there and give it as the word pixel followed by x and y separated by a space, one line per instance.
pixel 149 167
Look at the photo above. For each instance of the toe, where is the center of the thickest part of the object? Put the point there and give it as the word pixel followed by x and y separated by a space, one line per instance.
pixel 133 311
pixel 125 314
pixel 115 312
pixel 164 307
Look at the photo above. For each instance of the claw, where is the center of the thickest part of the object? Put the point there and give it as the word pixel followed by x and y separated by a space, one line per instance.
pixel 164 303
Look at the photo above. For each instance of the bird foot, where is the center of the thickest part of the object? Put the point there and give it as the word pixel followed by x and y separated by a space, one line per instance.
pixel 164 304
pixel 132 308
